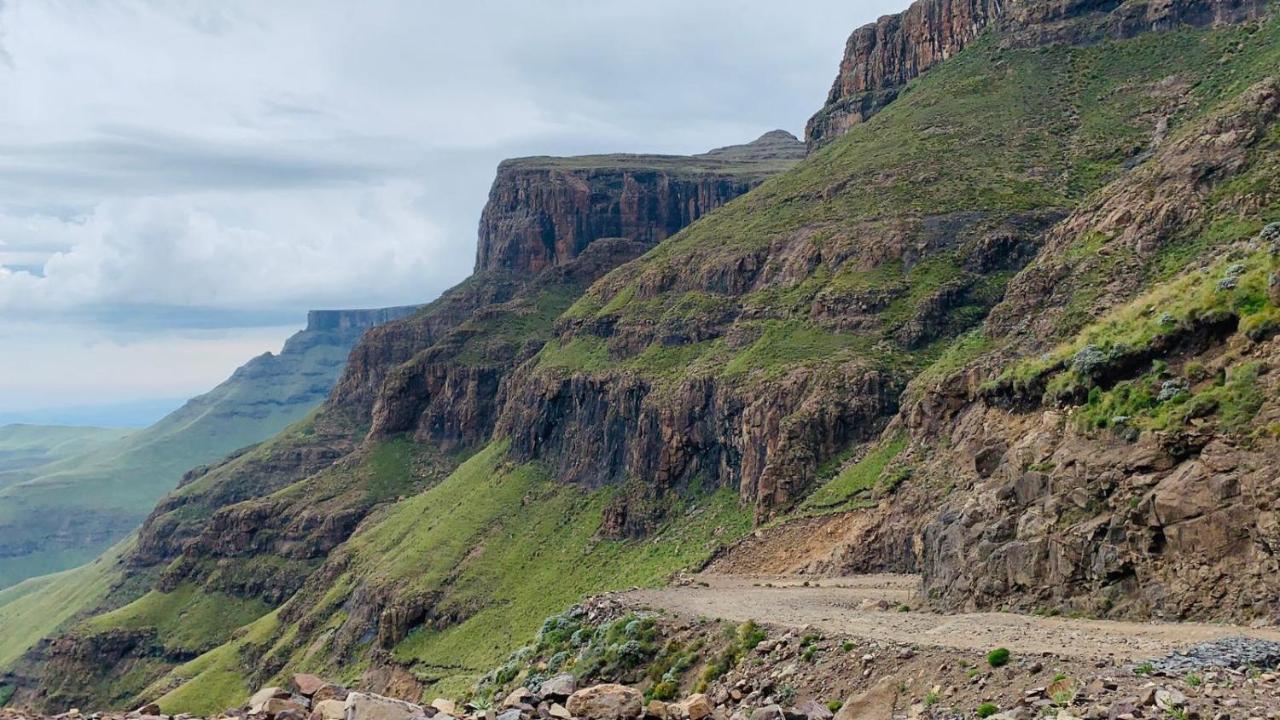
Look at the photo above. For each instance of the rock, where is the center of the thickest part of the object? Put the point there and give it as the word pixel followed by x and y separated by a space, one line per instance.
pixel 1168 699
pixel 511 714
pixel 307 684
pixel 874 704
pixel 331 709
pixel 768 712
pixel 559 686
pixel 148 709
pixel 260 698
pixel 606 702
pixel 656 709
pixel 329 691
pixel 814 710
pixel 283 709
pixel 559 711
pixel 446 706
pixel 519 696
pixel 367 706
pixel 695 707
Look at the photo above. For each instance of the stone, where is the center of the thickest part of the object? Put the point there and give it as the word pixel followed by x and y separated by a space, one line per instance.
pixel 367 706
pixel 874 704
pixel 1168 699
pixel 606 702
pixel 510 714
pixel 260 698
pixel 519 696
pixel 656 709
pixel 768 712
pixel 307 684
pixel 445 705
pixel 814 710
pixel 283 709
pixel 559 686
pixel 148 709
pixel 331 709
pixel 329 691
pixel 695 707
pixel 559 711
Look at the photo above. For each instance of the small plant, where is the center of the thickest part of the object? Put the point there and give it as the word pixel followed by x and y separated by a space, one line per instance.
pixel 986 710
pixel 931 698
pixel 810 654
pixel 786 694
pixel 481 703
pixel 1194 680
pixel 834 705
pixel 998 657
pixel 1059 676
pixel 847 646
pixel 904 608
pixel 1144 669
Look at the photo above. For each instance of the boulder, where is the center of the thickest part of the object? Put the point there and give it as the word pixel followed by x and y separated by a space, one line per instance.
pixel 260 698
pixel 768 712
pixel 874 704
pixel 329 691
pixel 559 686
pixel 307 684
pixel 559 711
pixel 367 706
pixel 331 709
pixel 656 709
pixel 695 707
pixel 606 702
pixel 446 706
pixel 282 709
pixel 148 709
pixel 519 696
pixel 813 710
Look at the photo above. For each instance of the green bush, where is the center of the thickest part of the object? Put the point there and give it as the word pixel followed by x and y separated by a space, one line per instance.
pixel 987 709
pixel 998 657
pixel 834 705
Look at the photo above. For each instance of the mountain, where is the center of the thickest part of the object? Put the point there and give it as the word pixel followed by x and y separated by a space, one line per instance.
pixel 1010 325
pixel 69 509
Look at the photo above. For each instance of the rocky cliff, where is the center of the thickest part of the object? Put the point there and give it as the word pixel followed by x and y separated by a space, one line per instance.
pixel 544 211
pixel 881 58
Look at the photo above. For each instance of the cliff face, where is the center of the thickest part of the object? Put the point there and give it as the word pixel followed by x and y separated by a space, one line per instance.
pixel 544 211
pixel 881 58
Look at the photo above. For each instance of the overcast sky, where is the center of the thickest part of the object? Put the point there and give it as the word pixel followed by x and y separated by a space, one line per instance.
pixel 181 180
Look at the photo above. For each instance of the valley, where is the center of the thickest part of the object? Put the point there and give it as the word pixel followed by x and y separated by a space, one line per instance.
pixel 965 405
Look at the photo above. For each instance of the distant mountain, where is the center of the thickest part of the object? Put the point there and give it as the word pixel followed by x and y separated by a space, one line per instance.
pixel 67 507
pixel 135 414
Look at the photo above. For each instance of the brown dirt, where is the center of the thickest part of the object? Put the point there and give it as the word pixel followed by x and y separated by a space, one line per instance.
pixel 838 605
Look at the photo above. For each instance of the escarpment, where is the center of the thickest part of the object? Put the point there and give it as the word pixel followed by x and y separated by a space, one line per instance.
pixel 882 58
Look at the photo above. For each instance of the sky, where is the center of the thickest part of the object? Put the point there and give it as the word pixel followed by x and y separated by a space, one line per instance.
pixel 181 180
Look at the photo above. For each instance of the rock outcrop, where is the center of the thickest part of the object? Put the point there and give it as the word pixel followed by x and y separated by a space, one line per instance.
pixel 881 58
pixel 544 211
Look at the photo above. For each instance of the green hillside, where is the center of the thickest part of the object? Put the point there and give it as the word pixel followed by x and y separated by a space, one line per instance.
pixel 25 448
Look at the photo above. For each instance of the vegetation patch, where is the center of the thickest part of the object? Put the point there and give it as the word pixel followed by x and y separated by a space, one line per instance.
pixel 858 483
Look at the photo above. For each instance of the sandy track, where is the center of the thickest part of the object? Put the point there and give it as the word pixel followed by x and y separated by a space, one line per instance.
pixel 833 605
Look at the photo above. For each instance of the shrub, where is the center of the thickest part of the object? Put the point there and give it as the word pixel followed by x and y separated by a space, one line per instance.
pixel 931 698
pixel 665 690
pixel 998 657
pixel 1144 669
pixel 834 705
pixel 987 709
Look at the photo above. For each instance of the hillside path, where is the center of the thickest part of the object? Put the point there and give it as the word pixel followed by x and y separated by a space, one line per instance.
pixel 835 605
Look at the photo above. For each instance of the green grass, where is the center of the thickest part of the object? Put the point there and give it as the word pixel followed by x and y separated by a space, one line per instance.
pixel 505 547
pixel 216 680
pixel 856 483
pixel 186 619
pixel 35 608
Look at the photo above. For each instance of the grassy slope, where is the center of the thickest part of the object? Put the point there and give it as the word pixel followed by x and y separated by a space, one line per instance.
pixel 995 131
pixel 25 448
pixel 35 608
pixel 506 546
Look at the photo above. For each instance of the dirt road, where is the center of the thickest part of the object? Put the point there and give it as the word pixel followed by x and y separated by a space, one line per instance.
pixel 836 605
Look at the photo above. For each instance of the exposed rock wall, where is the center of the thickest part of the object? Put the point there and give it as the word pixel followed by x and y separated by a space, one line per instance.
pixel 882 57
pixel 544 211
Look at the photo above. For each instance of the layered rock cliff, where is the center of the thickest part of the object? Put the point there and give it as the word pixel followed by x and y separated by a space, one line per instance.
pixel 881 58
